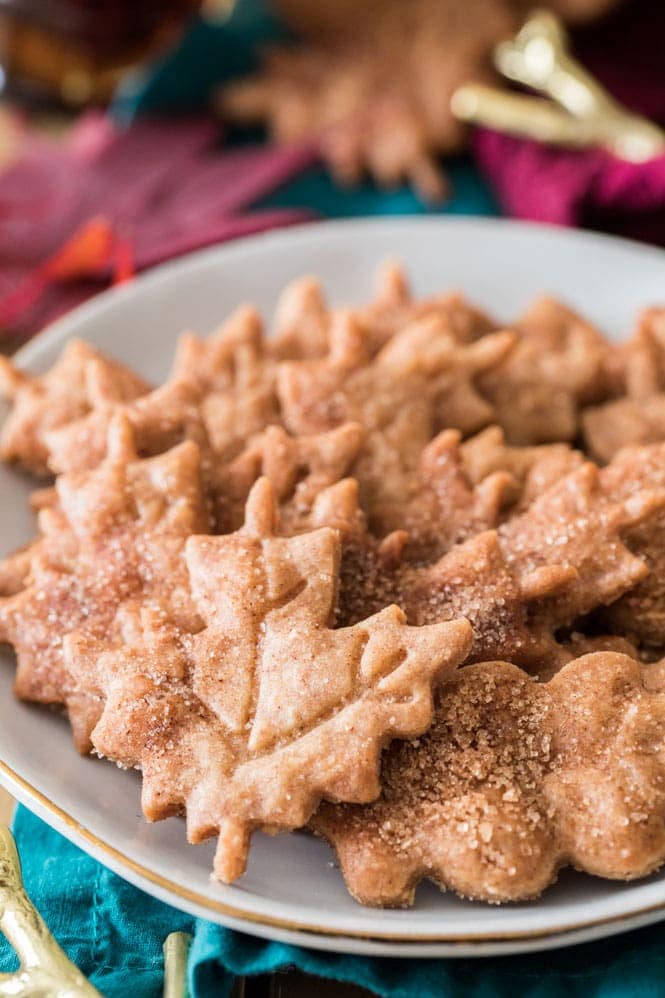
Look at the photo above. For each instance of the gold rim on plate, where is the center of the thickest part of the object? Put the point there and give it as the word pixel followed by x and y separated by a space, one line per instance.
pixel 123 861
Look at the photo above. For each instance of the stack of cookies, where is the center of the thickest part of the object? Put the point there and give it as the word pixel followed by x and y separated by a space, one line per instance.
pixel 390 573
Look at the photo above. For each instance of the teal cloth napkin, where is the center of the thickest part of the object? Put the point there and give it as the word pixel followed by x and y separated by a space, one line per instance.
pixel 115 933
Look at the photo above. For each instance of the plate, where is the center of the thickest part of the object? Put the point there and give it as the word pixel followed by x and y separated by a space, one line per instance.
pixel 292 891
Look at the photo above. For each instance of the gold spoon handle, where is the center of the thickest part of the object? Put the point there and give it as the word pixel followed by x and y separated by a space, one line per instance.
pixel 530 117
pixel 579 112
pixel 538 57
pixel 45 969
pixel 176 951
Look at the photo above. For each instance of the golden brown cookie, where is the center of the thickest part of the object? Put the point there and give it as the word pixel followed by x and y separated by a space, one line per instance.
pixel 514 780
pixel 56 543
pixel 299 469
pixel 501 600
pixel 583 521
pixel 221 391
pixel 394 306
pixel 565 556
pixel 81 380
pixel 442 506
pixel 557 366
pixel 420 382
pixel 638 415
pixel 301 323
pixel 161 419
pixel 532 469
pixel 251 721
pixel 640 613
pixel 126 524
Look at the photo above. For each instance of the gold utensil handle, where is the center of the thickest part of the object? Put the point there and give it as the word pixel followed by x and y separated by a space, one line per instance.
pixel 531 117
pixel 579 112
pixel 176 951
pixel 538 57
pixel 45 970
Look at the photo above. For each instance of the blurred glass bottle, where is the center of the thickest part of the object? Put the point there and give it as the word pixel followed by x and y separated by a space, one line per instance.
pixel 73 52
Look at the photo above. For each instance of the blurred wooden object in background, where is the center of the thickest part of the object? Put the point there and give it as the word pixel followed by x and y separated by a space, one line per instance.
pixel 75 51
pixel 371 82
pixel 318 19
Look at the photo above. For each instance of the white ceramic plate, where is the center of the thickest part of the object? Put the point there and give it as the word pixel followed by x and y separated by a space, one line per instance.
pixel 292 891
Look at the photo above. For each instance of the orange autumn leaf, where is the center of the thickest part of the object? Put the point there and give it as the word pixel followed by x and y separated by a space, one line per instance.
pixel 85 253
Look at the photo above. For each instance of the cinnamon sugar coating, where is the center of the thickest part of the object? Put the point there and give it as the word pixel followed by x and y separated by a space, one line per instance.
pixel 161 419
pixel 501 602
pixel 303 319
pixel 221 397
pixel 556 368
pixel 300 469
pixel 56 543
pixel 637 369
pixel 264 711
pixel 394 307
pixel 514 780
pixel 235 371
pixel 82 380
pixel 442 506
pixel 421 381
pixel 582 521
pixel 565 556
pixel 532 469
pixel 220 392
pixel 249 579
pixel 640 613
pixel 117 534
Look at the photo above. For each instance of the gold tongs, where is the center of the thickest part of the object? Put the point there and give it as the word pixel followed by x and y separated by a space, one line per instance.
pixel 574 109
pixel 44 968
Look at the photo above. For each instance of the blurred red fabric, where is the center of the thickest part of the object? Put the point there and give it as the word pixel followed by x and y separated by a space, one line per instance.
pixel 162 187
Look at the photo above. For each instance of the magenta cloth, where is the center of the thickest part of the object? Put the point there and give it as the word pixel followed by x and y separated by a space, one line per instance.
pixel 165 186
pixel 592 188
